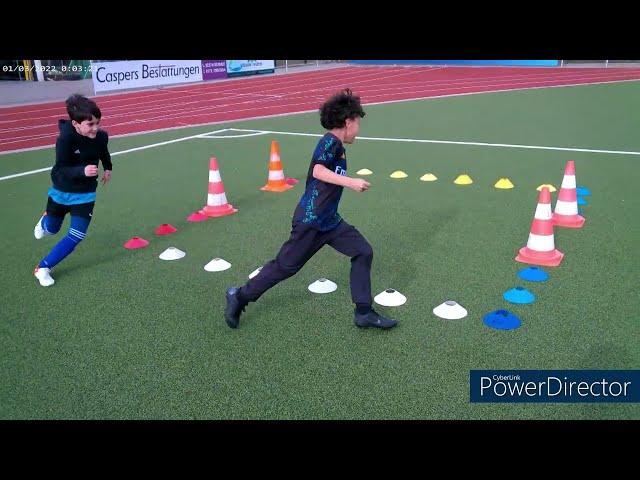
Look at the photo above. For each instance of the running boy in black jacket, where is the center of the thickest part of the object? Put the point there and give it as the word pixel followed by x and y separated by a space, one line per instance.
pixel 79 148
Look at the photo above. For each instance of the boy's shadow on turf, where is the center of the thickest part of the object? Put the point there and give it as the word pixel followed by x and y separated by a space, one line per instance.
pixel 400 271
pixel 108 255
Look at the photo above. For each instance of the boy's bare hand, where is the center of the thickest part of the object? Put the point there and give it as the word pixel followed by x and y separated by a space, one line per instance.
pixel 91 170
pixel 359 185
pixel 106 176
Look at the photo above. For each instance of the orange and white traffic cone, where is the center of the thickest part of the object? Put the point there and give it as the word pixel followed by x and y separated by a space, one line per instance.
pixel 540 249
pixel 276 181
pixel 566 212
pixel 217 205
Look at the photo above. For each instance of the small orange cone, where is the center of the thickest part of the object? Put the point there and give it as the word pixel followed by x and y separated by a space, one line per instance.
pixel 541 249
pixel 135 242
pixel 197 217
pixel 566 212
pixel 165 229
pixel 217 205
pixel 276 181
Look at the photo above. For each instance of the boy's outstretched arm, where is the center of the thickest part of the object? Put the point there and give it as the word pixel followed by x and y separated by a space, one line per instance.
pixel 323 174
pixel 105 157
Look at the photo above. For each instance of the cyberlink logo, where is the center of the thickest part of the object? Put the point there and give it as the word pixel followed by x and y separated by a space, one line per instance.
pixel 512 386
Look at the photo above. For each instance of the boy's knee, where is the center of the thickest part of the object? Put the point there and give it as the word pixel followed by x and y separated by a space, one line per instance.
pixel 76 236
pixel 78 228
pixel 51 224
pixel 52 229
pixel 288 269
pixel 366 251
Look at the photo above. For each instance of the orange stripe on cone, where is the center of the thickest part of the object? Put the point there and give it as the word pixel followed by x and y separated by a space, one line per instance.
pixel 216 187
pixel 276 181
pixel 540 248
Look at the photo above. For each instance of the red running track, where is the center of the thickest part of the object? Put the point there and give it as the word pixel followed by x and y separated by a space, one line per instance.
pixel 35 126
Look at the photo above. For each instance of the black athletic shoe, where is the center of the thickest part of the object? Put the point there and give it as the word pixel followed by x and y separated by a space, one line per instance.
pixel 373 319
pixel 234 308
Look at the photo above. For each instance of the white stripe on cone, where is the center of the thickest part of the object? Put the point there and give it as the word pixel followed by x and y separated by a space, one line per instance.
pixel 569 181
pixel 566 208
pixel 214 176
pixel 541 243
pixel 543 211
pixel 216 199
pixel 274 157
pixel 276 175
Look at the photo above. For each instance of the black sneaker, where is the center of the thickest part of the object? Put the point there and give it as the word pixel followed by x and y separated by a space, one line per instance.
pixel 373 319
pixel 234 308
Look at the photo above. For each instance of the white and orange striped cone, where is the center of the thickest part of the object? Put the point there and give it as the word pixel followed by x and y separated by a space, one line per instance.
pixel 217 205
pixel 566 212
pixel 276 181
pixel 540 249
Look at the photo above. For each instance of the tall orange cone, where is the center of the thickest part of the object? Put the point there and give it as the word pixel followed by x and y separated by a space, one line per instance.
pixel 540 249
pixel 217 205
pixel 277 181
pixel 566 212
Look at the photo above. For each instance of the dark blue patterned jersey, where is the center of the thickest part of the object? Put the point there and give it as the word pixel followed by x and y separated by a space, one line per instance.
pixel 318 206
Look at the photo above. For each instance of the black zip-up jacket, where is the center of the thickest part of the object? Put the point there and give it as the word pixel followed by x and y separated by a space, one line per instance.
pixel 73 153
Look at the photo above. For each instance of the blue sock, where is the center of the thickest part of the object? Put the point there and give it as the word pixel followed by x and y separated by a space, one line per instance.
pixel 77 232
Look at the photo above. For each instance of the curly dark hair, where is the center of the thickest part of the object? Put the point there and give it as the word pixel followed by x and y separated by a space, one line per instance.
pixel 81 108
pixel 335 111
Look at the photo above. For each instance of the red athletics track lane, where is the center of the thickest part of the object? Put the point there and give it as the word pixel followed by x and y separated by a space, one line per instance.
pixel 33 126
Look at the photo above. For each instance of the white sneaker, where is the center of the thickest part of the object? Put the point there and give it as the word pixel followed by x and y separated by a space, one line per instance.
pixel 44 276
pixel 38 231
